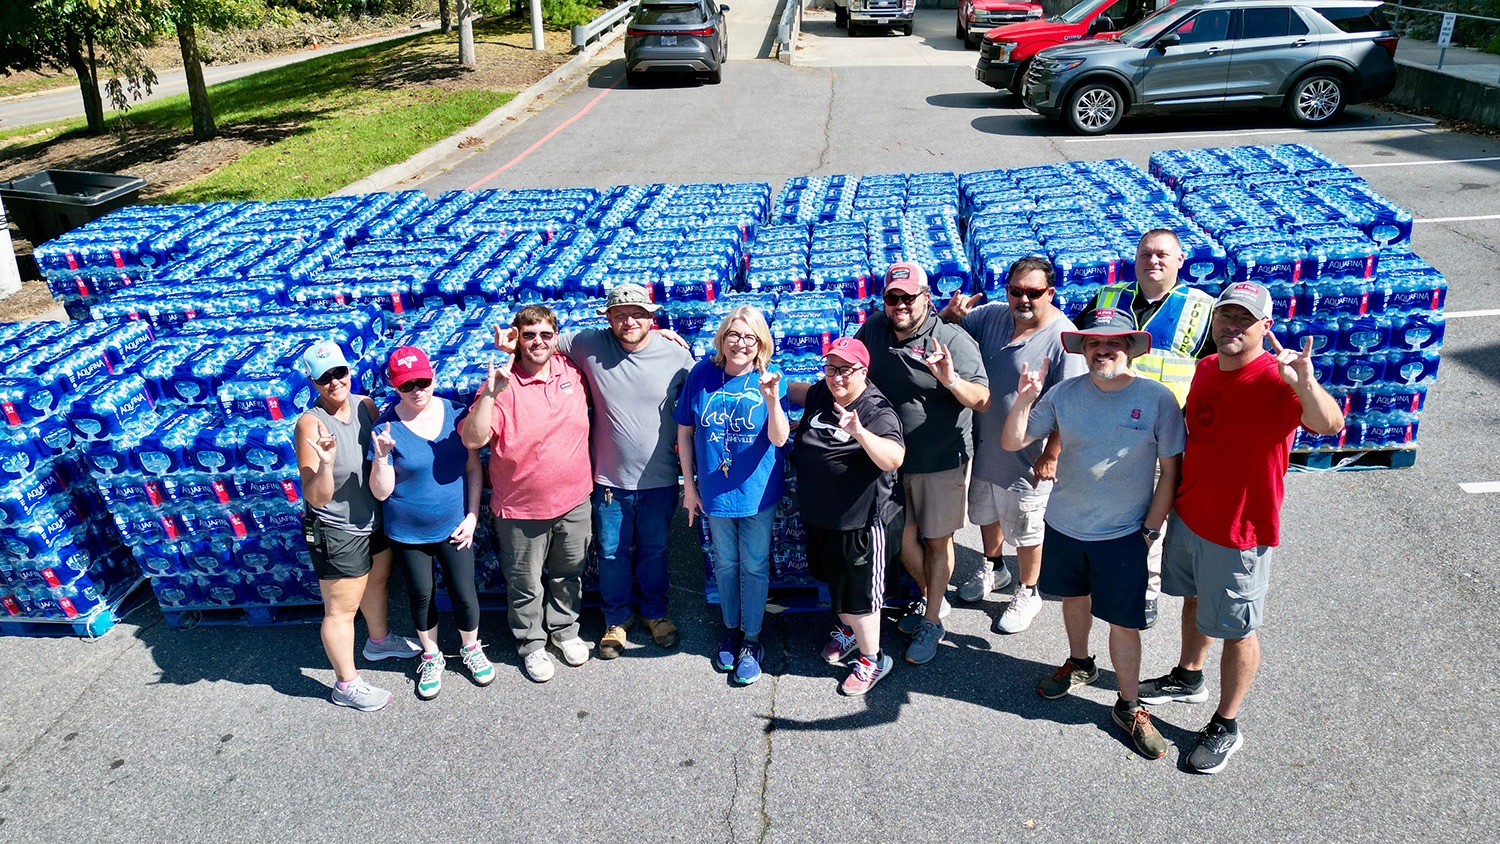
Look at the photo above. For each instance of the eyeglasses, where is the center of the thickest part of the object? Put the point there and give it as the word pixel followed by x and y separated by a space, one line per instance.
pixel 894 299
pixel 532 335
pixel 338 373
pixel 415 384
pixel 841 371
pixel 734 338
pixel 1029 293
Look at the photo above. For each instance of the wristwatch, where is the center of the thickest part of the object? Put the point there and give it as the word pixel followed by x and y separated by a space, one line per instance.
pixel 1151 534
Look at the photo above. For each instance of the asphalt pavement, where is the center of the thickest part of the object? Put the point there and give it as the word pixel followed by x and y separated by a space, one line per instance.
pixel 1374 717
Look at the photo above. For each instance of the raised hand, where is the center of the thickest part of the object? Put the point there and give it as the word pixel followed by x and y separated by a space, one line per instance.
pixel 770 386
pixel 325 447
pixel 505 340
pixel 496 380
pixel 463 535
pixel 849 421
pixel 383 442
pixel 960 305
pixel 1295 368
pixel 940 364
pixel 1031 382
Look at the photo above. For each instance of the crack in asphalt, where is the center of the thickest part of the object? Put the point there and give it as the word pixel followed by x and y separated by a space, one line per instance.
pixel 765 771
pixel 82 693
pixel 827 125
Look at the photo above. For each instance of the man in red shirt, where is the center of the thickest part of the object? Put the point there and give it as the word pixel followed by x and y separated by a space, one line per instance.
pixel 533 413
pixel 1242 410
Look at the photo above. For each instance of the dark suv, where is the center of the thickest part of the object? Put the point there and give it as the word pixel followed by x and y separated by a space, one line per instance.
pixel 1310 58
pixel 676 36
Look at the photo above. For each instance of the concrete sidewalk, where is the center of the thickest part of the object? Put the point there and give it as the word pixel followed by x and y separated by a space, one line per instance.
pixel 1463 62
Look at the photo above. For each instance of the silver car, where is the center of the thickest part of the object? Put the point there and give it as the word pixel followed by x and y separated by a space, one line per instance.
pixel 1310 58
pixel 677 36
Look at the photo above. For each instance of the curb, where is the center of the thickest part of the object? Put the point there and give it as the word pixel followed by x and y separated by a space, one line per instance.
pixel 489 129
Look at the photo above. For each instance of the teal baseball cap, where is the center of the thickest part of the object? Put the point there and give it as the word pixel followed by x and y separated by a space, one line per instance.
pixel 323 356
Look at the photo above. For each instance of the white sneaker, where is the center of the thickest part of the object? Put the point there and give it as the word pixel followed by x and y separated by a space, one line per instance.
pixel 397 647
pixel 1023 608
pixel 575 651
pixel 986 580
pixel 539 666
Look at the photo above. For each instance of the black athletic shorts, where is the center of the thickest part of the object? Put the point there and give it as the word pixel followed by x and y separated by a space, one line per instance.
pixel 856 564
pixel 337 555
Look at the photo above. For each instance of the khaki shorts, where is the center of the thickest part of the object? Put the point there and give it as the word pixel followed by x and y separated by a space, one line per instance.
pixel 935 500
pixel 1019 514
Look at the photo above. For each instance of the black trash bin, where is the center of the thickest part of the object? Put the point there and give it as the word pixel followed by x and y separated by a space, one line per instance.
pixel 47 204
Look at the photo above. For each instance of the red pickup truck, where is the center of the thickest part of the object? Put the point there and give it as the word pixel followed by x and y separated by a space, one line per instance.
pixel 1005 52
pixel 977 16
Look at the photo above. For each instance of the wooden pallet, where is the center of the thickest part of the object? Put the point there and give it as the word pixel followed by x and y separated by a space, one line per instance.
pixel 1353 459
pixel 92 626
pixel 256 616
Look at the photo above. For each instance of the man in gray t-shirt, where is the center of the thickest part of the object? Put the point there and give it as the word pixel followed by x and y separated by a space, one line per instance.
pixel 634 378
pixel 1115 428
pixel 1008 490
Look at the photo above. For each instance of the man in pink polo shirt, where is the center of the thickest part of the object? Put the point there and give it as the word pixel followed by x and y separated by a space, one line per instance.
pixel 533 413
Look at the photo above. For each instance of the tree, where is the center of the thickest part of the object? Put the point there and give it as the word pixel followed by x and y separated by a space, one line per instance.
pixel 184 17
pixel 445 17
pixel 79 34
pixel 466 34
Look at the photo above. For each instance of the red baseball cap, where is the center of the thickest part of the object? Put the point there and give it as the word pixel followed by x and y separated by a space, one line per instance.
pixel 849 350
pixel 407 363
pixel 906 277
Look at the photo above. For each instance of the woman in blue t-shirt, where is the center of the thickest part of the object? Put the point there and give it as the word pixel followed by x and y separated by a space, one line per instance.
pixel 429 482
pixel 731 422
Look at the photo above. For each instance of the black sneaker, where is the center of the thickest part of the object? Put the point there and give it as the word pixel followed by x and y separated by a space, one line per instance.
pixel 1150 613
pixel 1168 687
pixel 1215 746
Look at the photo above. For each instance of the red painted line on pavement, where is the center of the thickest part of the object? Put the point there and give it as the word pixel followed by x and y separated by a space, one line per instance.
pixel 545 138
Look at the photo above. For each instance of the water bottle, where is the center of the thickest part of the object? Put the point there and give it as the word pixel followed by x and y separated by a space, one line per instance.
pixel 1364 335
pixel 1420 330
pixel 1415 366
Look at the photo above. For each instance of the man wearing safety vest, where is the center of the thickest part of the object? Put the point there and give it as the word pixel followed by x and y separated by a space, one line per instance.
pixel 1177 318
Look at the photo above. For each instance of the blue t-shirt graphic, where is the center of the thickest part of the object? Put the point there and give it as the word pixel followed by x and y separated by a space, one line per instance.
pixel 739 471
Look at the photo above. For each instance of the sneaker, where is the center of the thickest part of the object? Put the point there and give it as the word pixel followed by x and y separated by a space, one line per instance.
pixel 924 645
pixel 430 676
pixel 538 666
pixel 912 621
pixel 575 651
pixel 395 646
pixel 1023 607
pixel 361 695
pixel 865 674
pixel 1214 747
pixel 613 643
pixel 1150 614
pixel 840 645
pixel 747 667
pixel 478 664
pixel 1137 722
pixel 663 632
pixel 729 648
pixel 1168 687
pixel 980 584
pixel 1064 679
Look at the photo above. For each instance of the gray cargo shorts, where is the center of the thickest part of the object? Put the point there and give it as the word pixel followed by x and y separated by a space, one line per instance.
pixel 1229 583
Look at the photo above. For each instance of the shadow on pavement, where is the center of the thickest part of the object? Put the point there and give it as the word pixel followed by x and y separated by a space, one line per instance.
pixel 974 100
pixel 1484 360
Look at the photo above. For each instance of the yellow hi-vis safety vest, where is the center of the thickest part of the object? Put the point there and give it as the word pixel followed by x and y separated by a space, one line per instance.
pixel 1178 329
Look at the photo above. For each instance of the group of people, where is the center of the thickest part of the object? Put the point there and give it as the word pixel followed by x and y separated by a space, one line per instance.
pixel 1163 415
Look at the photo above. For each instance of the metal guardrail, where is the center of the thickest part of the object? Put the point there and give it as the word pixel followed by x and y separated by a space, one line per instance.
pixel 788 30
pixel 1446 30
pixel 585 33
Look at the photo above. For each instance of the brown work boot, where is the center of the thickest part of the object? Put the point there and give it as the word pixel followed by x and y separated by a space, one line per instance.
pixel 1148 741
pixel 613 643
pixel 663 631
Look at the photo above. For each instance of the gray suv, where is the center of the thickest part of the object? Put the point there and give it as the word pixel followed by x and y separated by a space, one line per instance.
pixel 1310 58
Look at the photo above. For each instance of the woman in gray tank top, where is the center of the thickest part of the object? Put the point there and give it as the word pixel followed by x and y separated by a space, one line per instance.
pixel 342 525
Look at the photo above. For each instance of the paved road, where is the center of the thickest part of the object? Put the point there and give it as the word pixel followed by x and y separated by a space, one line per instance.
pixel 1374 718
pixel 68 102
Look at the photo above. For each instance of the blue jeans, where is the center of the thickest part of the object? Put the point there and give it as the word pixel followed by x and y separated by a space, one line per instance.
pixel 632 526
pixel 742 566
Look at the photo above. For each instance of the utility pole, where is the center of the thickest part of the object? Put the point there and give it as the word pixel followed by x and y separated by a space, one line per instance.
pixel 10 274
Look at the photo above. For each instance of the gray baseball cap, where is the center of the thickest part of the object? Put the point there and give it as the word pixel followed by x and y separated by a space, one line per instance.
pixel 1248 295
pixel 629 294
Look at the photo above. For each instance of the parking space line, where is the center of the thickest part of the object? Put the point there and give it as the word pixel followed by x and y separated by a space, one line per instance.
pixel 1420 163
pixel 547 137
pixel 1117 138
pixel 1478 488
pixel 1467 314
pixel 1457 219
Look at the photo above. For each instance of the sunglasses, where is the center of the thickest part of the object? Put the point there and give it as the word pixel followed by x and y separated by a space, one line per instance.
pixel 532 335
pixel 337 373
pixel 415 384
pixel 1032 294
pixel 894 299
